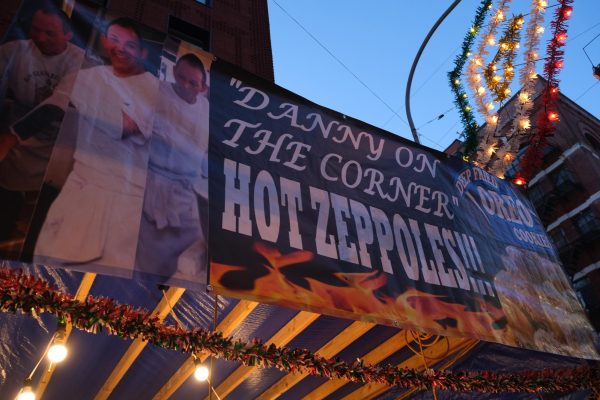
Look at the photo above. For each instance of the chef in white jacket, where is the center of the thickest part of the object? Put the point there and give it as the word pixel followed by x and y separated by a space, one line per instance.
pixel 172 243
pixel 96 217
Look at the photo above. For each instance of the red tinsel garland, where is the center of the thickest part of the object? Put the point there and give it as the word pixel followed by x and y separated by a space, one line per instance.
pixel 548 115
pixel 25 293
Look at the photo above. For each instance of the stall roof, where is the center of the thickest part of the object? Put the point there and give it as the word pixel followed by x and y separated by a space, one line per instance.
pixel 102 366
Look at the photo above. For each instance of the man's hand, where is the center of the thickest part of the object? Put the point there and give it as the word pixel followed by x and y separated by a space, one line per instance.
pixel 130 128
pixel 7 142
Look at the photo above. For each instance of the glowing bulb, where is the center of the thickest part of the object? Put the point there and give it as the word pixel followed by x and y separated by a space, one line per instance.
pixel 533 75
pixel 509 69
pixel 520 21
pixel 523 97
pixel 497 78
pixel 464 95
pixel 473 30
pixel 467 108
pixel 26 393
pixel 504 46
pixel 201 373
pixel 554 90
pixel 499 16
pixel 57 352
pixel 468 54
pixel 543 3
pixel 567 11
pixel 493 120
pixel 524 123
pixel 456 82
pixel 491 150
pixel 553 116
pixel 517 45
pixel 489 106
pixel 477 77
pixel 561 37
pixel 491 40
pixel 519 181
pixel 539 29
pixel 480 90
pixel 507 91
pixel 558 64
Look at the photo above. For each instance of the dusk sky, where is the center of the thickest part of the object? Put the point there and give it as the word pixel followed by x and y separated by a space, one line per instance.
pixel 377 41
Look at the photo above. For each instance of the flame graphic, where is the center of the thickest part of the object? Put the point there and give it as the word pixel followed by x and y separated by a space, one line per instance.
pixel 360 296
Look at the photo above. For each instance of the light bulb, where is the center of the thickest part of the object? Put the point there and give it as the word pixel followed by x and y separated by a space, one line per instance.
pixel 201 373
pixel 539 29
pixel 57 352
pixel 26 392
pixel 481 90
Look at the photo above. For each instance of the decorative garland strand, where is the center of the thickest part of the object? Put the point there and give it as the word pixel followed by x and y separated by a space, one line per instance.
pixel 547 116
pixel 500 86
pixel 484 104
pixel 30 295
pixel 460 96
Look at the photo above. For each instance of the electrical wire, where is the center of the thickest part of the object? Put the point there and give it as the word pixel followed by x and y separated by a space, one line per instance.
pixel 339 61
pixel 587 90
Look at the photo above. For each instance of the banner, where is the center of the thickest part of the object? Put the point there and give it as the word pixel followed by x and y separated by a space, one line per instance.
pixel 314 210
pixel 103 148
pixel 130 153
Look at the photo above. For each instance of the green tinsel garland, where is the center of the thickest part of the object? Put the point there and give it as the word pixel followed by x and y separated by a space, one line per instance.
pixel 460 95
pixel 25 293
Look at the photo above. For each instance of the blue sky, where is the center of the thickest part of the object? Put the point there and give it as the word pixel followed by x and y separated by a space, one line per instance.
pixel 377 42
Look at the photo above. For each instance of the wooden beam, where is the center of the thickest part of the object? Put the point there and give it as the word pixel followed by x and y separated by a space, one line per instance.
pixel 290 330
pixel 82 292
pixel 330 349
pixel 161 311
pixel 433 354
pixel 375 356
pixel 229 323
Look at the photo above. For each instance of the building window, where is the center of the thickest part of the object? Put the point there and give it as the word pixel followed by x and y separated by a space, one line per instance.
pixel 587 222
pixel 536 194
pixel 564 181
pixel 559 238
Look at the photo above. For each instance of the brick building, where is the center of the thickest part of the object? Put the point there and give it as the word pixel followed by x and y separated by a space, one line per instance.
pixel 236 31
pixel 566 193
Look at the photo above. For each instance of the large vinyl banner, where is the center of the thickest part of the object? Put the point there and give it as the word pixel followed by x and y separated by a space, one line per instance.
pixel 313 210
pixel 124 151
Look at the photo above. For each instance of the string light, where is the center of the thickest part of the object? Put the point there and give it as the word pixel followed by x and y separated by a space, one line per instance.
pixel 519 181
pixel 58 350
pixel 201 372
pixel 567 11
pixel 26 392
pixel 553 116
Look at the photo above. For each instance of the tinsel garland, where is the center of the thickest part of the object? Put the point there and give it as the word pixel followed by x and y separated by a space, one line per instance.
pixel 548 115
pixel 470 126
pixel 30 295
pixel 484 104
pixel 498 85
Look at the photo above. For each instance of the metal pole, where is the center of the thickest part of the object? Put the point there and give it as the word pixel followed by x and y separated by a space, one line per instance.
pixel 414 66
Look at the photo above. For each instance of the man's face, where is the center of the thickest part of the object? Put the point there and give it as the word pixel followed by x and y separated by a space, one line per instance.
pixel 124 49
pixel 189 81
pixel 48 33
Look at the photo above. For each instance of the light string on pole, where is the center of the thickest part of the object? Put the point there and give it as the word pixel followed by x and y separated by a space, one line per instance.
pixel 498 83
pixel 547 116
pixel 508 144
pixel 474 78
pixel 461 101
